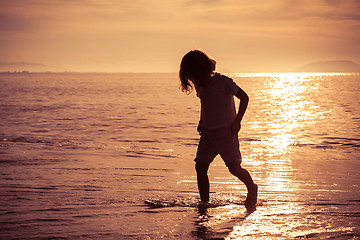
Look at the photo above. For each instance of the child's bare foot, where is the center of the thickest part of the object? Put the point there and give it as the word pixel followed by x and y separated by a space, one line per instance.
pixel 251 199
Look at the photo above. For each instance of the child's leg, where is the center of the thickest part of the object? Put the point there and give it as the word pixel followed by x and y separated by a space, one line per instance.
pixel 203 181
pixel 241 173
pixel 244 176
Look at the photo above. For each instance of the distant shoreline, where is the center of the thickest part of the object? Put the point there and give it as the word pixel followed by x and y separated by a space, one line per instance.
pixel 175 73
pixel 334 66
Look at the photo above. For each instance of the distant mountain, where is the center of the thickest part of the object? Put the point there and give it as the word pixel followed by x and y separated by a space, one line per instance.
pixel 27 66
pixel 331 66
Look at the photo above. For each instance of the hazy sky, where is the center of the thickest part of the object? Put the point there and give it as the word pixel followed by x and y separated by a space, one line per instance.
pixel 153 35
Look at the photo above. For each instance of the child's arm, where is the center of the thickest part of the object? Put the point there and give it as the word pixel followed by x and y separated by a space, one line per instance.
pixel 244 100
pixel 199 125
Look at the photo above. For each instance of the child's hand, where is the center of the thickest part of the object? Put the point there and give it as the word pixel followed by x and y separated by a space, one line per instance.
pixel 199 128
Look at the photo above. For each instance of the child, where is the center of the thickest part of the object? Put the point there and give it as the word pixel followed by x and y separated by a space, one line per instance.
pixel 219 124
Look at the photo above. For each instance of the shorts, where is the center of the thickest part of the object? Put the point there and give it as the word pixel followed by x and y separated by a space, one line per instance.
pixel 219 141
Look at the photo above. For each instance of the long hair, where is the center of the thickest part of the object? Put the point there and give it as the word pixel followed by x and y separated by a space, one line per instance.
pixel 195 69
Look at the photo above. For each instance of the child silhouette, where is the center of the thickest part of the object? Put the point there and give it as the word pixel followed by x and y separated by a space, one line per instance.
pixel 219 124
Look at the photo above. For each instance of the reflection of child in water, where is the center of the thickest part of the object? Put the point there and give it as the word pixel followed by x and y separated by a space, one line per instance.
pixel 219 124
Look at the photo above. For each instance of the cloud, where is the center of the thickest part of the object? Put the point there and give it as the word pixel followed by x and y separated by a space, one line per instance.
pixel 11 22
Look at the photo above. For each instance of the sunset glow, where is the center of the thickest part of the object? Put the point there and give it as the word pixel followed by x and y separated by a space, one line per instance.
pixel 143 36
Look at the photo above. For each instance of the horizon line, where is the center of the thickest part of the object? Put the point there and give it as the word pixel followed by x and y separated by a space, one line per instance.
pixel 113 72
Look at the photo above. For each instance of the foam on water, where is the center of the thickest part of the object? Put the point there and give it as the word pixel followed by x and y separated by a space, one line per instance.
pixel 215 201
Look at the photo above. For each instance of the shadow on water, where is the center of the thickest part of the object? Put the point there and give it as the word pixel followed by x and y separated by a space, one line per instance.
pixel 218 222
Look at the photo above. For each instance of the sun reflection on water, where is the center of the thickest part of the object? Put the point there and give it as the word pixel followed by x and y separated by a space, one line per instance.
pixel 288 113
pixel 263 224
pixel 290 109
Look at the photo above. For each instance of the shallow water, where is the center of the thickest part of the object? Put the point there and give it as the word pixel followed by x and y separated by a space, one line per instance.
pixel 110 156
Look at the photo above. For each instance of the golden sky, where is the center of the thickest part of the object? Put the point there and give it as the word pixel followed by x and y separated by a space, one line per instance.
pixel 153 35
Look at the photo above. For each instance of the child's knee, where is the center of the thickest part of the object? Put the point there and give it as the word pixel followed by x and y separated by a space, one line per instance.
pixel 235 168
pixel 201 168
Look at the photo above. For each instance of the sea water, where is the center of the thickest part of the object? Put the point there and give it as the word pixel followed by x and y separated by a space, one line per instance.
pixel 110 156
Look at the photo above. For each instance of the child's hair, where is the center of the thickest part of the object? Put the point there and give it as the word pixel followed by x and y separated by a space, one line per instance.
pixel 195 68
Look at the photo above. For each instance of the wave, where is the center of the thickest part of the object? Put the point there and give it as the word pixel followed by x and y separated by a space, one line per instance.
pixel 215 202
pixel 24 140
pixel 144 169
pixel 332 142
pixel 230 199
pixel 339 233
pixel 145 154
pixel 138 148
pixel 346 142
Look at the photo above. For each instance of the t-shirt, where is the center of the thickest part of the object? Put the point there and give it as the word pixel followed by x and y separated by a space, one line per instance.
pixel 217 102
